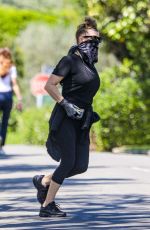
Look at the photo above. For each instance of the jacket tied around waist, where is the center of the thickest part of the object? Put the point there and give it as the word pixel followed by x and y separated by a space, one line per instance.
pixel 57 116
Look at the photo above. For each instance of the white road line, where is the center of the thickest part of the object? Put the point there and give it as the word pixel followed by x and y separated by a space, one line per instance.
pixel 141 169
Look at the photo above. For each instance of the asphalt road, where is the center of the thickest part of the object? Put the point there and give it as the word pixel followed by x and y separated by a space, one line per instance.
pixel 113 194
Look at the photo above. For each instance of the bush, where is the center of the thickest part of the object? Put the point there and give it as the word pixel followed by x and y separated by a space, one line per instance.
pixel 20 19
pixel 119 102
pixel 124 116
pixel 29 127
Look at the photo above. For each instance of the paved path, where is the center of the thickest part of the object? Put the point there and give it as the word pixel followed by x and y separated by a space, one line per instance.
pixel 113 194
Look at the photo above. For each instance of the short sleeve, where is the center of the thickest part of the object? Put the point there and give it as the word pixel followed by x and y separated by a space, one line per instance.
pixel 13 72
pixel 62 69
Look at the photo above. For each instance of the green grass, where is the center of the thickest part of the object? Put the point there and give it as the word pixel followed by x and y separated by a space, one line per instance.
pixel 137 147
pixel 13 138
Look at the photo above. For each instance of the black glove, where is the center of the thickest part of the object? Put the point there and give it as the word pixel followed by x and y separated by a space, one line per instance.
pixel 72 110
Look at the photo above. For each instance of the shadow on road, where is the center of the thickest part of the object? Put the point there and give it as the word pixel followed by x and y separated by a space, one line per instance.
pixel 86 211
pixel 86 208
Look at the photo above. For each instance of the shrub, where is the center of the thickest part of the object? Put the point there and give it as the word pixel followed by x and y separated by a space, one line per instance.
pixel 124 115
pixel 30 126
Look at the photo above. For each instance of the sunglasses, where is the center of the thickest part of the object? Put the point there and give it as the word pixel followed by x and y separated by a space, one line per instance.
pixel 99 39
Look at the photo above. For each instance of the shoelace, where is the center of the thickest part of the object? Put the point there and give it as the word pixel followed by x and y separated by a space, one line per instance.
pixel 57 206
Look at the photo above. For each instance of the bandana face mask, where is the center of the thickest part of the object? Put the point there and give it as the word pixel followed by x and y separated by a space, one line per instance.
pixel 89 50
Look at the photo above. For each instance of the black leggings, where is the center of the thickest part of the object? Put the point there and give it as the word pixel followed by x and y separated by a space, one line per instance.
pixel 75 155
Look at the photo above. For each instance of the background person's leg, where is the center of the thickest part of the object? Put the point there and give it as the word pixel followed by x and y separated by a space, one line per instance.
pixel 2 99
pixel 1 114
pixel 6 109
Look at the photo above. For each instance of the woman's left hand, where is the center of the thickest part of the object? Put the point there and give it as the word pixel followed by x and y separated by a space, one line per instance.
pixel 19 106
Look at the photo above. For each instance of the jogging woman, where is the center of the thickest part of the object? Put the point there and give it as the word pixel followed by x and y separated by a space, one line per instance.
pixel 72 116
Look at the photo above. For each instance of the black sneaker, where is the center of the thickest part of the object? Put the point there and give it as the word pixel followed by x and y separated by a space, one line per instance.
pixel 41 190
pixel 51 210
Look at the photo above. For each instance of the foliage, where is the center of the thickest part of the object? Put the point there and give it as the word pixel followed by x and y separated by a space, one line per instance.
pixel 18 59
pixel 123 101
pixel 46 48
pixel 29 127
pixel 9 30
pixel 20 19
pixel 43 6
pixel 39 5
pixel 22 16
pixel 124 116
pixel 125 26
pixel 43 51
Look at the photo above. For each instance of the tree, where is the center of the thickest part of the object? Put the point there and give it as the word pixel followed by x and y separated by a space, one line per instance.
pixel 125 26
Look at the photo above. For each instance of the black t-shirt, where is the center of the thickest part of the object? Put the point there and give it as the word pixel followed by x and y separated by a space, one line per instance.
pixel 80 82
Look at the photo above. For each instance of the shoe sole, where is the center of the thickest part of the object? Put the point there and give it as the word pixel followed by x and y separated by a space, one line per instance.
pixel 34 182
pixel 47 215
pixel 36 186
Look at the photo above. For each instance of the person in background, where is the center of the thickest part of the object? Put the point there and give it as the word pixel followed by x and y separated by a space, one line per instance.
pixel 8 85
pixel 72 115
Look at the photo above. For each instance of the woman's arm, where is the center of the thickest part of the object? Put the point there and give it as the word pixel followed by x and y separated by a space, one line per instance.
pixel 72 110
pixel 16 89
pixel 17 92
pixel 51 87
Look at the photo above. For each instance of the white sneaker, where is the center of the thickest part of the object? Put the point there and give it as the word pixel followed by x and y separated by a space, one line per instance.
pixel 2 152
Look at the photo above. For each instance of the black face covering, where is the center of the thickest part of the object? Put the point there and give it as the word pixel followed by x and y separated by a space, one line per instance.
pixel 89 51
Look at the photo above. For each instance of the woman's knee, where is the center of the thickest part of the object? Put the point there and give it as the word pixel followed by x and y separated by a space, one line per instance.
pixel 81 168
pixel 67 165
pixel 62 171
